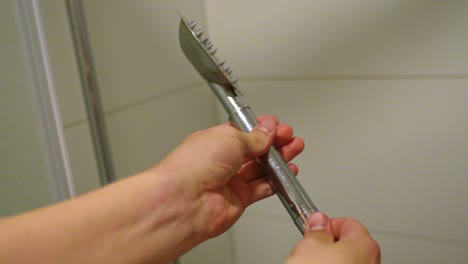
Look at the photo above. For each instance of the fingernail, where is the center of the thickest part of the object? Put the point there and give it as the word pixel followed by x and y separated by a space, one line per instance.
pixel 317 222
pixel 267 125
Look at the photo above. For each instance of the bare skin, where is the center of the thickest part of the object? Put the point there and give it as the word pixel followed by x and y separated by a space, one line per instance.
pixel 335 241
pixel 197 192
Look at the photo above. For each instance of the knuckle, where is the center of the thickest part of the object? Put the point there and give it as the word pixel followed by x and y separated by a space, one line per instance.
pixel 305 246
pixel 302 245
pixel 370 248
pixel 353 220
pixel 357 224
pixel 231 132
pixel 259 140
pixel 292 259
pixel 301 143
pixel 233 138
pixel 374 248
pixel 195 134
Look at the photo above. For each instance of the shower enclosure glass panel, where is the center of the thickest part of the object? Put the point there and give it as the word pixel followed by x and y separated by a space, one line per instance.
pixel 34 164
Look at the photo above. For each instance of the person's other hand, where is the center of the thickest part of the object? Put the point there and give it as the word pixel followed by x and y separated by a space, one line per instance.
pixel 217 174
pixel 335 241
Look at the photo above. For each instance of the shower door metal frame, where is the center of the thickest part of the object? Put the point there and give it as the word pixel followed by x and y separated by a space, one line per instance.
pixel 90 89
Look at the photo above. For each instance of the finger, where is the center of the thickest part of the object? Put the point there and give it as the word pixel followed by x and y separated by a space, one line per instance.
pixel 261 188
pixel 263 117
pixel 348 229
pixel 288 149
pixel 294 168
pixel 283 131
pixel 283 134
pixel 251 170
pixel 288 153
pixel 255 172
pixel 293 148
pixel 200 132
pixel 353 233
pixel 259 119
pixel 259 140
pixel 318 228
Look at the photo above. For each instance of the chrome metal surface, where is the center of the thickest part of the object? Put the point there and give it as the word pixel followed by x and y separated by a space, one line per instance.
pixel 200 53
pixel 91 93
pixel 288 188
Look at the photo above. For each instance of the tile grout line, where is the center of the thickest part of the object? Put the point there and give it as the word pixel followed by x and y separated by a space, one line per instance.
pixel 204 18
pixel 322 77
pixel 375 231
pixel 137 103
pixel 419 237
pixel 75 123
pixel 152 98
pixel 284 78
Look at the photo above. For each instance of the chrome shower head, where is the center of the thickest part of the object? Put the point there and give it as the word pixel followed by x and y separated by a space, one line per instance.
pixel 200 51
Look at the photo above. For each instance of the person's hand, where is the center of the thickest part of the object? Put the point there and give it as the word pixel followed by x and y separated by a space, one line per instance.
pixel 335 241
pixel 195 193
pixel 218 173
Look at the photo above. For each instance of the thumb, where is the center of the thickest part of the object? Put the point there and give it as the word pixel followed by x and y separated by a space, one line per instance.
pixel 318 227
pixel 261 137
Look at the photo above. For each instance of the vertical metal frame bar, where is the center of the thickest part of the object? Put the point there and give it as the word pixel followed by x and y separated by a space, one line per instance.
pixel 91 93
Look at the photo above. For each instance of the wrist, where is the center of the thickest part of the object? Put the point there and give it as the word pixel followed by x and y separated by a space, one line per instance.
pixel 168 213
pixel 187 197
pixel 142 217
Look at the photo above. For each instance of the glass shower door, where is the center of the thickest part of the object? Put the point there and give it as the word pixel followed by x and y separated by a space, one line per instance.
pixel 34 168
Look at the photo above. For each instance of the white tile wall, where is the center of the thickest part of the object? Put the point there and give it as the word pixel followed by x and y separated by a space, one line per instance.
pixel 367 141
pixel 404 250
pixel 82 159
pixel 136 48
pixel 70 95
pixel 215 250
pixel 270 239
pixel 24 172
pixel 275 38
pixel 62 59
pixel 264 238
pixel 379 91
pixel 144 134
pixel 391 153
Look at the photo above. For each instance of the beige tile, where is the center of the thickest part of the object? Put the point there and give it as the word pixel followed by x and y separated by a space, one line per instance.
pixel 24 172
pixel 82 158
pixel 62 58
pixel 413 251
pixel 216 250
pixel 362 37
pixel 136 48
pixel 390 153
pixel 270 239
pixel 144 134
pixel 263 239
